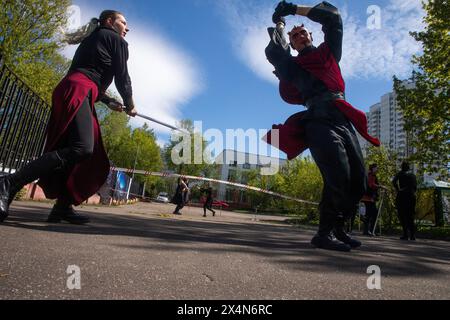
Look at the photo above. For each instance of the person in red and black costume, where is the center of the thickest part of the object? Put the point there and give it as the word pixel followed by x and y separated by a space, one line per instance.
pixel 370 199
pixel 313 78
pixel 75 165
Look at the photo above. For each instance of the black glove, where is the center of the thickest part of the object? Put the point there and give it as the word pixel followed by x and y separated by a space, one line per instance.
pixel 285 9
pixel 276 18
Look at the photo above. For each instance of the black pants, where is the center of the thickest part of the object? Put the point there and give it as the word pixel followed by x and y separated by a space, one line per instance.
pixel 179 207
pixel 76 146
pixel 406 207
pixel 336 151
pixel 371 217
pixel 208 206
pixel 79 142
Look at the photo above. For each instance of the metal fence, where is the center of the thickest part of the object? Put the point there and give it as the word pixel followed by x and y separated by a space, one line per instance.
pixel 23 121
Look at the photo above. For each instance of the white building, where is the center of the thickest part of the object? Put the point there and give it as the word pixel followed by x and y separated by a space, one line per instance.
pixel 386 123
pixel 234 166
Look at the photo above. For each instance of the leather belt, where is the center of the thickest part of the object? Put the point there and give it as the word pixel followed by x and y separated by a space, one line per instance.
pixel 326 96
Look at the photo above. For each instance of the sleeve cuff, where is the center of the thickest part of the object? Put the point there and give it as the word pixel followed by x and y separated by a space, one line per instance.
pixel 105 99
pixel 129 103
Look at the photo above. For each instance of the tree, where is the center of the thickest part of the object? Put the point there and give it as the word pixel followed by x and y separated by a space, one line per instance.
pixel 28 41
pixel 299 178
pixel 147 155
pixel 426 105
pixel 386 161
pixel 116 136
pixel 130 148
pixel 205 168
pixel 258 200
pixel 302 179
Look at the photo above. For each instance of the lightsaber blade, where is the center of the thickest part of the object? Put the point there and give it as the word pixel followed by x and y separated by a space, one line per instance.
pixel 143 116
pixel 160 122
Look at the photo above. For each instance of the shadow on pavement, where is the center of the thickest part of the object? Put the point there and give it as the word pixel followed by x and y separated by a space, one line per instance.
pixel 284 245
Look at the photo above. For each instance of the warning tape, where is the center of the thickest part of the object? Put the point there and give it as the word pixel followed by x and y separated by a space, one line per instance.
pixel 234 184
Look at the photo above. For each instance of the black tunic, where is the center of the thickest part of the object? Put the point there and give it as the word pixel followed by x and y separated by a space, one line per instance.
pixel 102 56
pixel 405 182
pixel 287 69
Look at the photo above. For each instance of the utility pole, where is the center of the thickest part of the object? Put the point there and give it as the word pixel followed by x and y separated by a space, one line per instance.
pixel 143 191
pixel 132 177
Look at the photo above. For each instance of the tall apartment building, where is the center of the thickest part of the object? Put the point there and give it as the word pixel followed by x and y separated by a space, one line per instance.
pixel 386 122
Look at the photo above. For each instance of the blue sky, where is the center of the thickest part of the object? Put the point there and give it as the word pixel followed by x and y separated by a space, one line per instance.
pixel 204 59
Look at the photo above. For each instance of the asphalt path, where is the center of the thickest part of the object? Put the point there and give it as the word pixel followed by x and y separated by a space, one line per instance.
pixel 142 251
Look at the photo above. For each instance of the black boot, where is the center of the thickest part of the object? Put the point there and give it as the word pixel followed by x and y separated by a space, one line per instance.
pixel 6 194
pixel 327 243
pixel 10 185
pixel 341 235
pixel 66 213
pixel 323 238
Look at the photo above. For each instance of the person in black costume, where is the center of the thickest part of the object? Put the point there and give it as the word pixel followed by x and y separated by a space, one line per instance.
pixel 75 164
pixel 181 194
pixel 209 200
pixel 313 78
pixel 405 183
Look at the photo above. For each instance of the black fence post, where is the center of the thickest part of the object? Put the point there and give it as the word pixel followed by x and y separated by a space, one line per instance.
pixel 23 121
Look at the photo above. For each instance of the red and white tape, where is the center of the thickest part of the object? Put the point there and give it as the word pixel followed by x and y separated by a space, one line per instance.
pixel 234 184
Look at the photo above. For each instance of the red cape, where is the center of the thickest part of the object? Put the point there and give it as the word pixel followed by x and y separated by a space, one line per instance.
pixel 86 178
pixel 321 64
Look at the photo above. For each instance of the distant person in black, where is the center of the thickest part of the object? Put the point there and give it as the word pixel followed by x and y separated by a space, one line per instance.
pixel 209 201
pixel 180 197
pixel 405 183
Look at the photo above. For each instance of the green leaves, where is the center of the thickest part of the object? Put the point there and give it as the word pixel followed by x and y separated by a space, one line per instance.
pixel 426 107
pixel 28 43
pixel 127 147
pixel 387 168
pixel 298 178
pixel 204 168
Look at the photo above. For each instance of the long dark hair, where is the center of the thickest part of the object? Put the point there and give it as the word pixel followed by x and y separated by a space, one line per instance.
pixel 84 31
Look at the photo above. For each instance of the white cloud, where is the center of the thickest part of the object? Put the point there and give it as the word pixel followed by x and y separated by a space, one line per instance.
pixel 161 142
pixel 385 52
pixel 374 54
pixel 164 76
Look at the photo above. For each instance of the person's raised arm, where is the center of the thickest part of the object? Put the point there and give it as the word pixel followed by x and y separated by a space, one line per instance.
pixel 325 14
pixel 330 19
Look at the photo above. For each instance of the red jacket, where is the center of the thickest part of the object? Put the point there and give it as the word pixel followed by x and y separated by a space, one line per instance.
pixel 322 64
pixel 371 194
